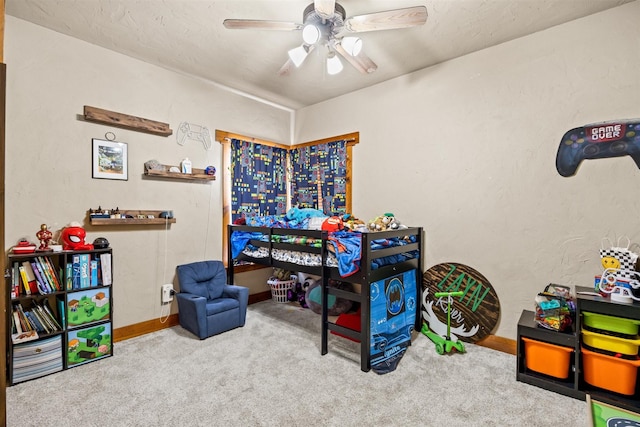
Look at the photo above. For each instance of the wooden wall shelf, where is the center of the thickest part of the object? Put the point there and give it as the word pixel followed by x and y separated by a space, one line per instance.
pixel 156 220
pixel 126 121
pixel 197 175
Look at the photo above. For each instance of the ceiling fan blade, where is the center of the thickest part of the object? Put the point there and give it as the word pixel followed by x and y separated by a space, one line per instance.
pixel 361 62
pixel 254 24
pixel 388 20
pixel 325 8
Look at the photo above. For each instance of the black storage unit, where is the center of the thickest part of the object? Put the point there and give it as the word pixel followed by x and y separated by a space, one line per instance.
pixel 81 308
pixel 575 386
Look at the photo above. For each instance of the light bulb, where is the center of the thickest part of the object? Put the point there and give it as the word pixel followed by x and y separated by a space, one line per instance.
pixel 310 34
pixel 334 65
pixel 352 45
pixel 298 55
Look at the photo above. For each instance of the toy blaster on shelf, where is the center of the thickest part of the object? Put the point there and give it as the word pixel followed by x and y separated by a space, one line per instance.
pixel 555 308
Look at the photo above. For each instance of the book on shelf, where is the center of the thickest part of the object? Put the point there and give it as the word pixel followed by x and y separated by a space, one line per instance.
pixel 15 322
pixel 36 321
pixel 38 268
pixel 93 269
pixel 69 276
pixel 75 271
pixel 98 268
pixel 19 337
pixel 50 271
pixel 62 312
pixel 15 281
pixel 85 274
pixel 105 268
pixel 52 317
pixel 24 323
pixel 25 280
pixel 43 285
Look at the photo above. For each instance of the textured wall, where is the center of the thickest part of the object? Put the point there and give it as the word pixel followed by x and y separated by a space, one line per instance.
pixel 50 77
pixel 467 150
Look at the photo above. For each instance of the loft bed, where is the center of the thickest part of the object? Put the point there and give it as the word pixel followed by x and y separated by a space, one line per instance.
pixel 386 257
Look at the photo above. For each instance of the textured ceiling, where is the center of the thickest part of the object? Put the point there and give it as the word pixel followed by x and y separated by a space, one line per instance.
pixel 188 36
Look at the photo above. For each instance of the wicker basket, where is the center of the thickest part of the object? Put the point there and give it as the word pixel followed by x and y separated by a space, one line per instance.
pixel 279 288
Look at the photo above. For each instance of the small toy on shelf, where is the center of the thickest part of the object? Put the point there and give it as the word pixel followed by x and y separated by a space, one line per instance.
pixel 555 308
pixel 73 236
pixel 45 236
pixel 24 247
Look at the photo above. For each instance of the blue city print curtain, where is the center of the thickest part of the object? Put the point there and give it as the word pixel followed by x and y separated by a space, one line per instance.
pixel 259 181
pixel 320 169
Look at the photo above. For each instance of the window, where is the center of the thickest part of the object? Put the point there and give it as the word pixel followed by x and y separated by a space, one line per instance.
pixel 266 178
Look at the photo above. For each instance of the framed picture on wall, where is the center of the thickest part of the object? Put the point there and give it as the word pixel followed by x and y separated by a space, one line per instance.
pixel 110 159
pixel 604 415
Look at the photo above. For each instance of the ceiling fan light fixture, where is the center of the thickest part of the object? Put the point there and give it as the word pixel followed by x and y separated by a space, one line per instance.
pixel 298 55
pixel 334 65
pixel 352 45
pixel 310 34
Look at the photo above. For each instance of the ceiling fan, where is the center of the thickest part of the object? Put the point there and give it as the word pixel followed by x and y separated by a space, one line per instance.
pixel 325 25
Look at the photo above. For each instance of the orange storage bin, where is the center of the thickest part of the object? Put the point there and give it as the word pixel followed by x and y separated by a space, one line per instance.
pixel 548 359
pixel 611 373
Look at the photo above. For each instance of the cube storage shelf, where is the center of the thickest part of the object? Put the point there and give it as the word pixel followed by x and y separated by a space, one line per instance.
pixel 589 372
pixel 83 309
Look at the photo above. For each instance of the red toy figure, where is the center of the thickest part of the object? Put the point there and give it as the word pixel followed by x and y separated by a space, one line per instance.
pixel 73 238
pixel 44 235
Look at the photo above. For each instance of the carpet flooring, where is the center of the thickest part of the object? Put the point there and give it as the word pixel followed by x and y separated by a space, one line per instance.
pixel 271 373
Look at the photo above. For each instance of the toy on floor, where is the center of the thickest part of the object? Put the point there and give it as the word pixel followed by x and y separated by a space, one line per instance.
pixel 297 294
pixel 336 305
pixel 445 344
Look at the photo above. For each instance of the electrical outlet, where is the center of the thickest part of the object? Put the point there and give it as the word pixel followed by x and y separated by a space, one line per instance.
pixel 167 293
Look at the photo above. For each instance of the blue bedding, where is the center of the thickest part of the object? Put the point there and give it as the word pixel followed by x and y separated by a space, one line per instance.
pixel 346 245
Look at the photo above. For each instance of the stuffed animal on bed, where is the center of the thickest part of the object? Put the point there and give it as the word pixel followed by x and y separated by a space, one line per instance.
pixel 382 222
pixel 385 222
pixel 336 306
pixel 300 214
pixel 353 223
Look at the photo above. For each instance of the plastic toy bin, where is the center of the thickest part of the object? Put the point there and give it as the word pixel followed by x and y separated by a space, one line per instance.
pixel 279 288
pixel 548 359
pixel 610 323
pixel 611 343
pixel 610 373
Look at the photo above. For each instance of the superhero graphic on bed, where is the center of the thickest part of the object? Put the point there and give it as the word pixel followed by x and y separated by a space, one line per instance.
pixel 393 318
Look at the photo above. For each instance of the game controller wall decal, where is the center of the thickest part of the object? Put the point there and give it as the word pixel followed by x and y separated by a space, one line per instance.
pixel 190 131
pixel 598 141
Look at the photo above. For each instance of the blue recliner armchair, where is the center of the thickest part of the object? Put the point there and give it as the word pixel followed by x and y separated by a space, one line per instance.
pixel 207 305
